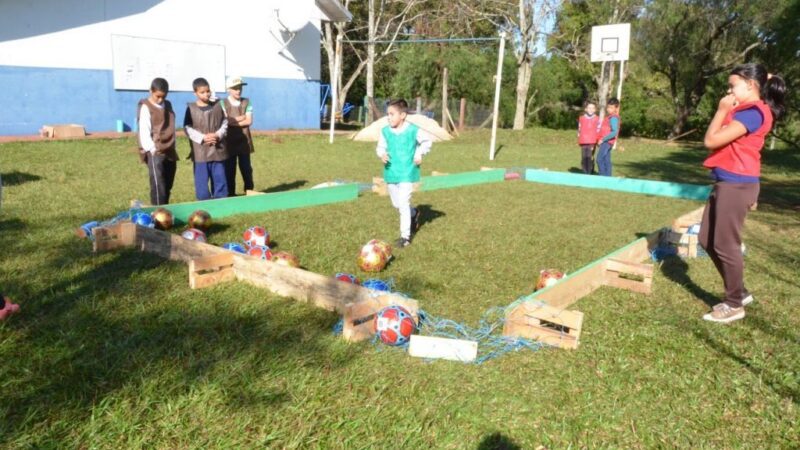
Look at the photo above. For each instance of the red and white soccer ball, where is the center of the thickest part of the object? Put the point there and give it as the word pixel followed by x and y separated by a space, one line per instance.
pixel 193 234
pixel 548 277
pixel 260 251
pixel 255 236
pixel 394 325
pixel 374 256
pixel 285 259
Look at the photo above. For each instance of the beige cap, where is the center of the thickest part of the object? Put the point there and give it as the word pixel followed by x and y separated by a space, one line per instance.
pixel 234 81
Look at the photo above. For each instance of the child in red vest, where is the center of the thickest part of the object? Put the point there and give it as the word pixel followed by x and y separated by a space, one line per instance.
pixel 608 136
pixel 735 138
pixel 588 127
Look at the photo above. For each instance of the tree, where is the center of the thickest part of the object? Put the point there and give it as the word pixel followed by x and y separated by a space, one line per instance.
pixel 692 42
pixel 525 22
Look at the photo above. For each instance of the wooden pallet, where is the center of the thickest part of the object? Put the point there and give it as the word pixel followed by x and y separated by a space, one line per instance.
pixel 544 323
pixel 210 265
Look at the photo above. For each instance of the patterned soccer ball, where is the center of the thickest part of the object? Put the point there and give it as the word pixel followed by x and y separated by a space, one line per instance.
pixel 384 246
pixel 394 325
pixel 143 219
pixel 548 277
pixel 347 278
pixel 163 218
pixel 256 236
pixel 234 247
pixel 193 234
pixel 285 259
pixel 200 220
pixel 260 251
pixel 377 285
pixel 373 257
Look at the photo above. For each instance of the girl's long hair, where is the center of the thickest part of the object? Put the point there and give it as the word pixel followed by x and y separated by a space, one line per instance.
pixel 772 87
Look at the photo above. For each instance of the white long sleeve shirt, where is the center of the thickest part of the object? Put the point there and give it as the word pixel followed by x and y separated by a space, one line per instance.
pixel 146 129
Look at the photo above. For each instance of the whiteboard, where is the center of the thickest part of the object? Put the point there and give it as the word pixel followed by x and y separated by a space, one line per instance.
pixel 137 60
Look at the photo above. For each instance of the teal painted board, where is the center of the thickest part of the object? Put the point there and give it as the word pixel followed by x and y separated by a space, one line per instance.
pixel 225 207
pixel 433 183
pixel 633 185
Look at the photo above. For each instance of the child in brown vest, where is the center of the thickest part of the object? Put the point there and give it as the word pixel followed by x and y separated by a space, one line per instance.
pixel 205 125
pixel 156 121
pixel 238 141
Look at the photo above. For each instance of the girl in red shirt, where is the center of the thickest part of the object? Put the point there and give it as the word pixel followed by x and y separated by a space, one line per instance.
pixel 735 138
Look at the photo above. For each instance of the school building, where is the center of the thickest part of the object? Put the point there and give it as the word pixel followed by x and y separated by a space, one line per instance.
pixel 88 62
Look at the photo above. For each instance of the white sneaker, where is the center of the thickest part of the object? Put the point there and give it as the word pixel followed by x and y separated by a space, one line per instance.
pixel 722 313
pixel 747 300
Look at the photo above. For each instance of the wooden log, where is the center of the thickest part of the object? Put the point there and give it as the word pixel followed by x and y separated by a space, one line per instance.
pixel 462 114
pixel 210 270
pixel 629 275
pixel 442 348
pixel 682 223
pixel 115 236
pixel 544 323
pixel 358 316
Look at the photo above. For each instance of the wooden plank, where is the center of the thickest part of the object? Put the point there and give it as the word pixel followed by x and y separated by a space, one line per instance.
pixel 574 286
pixel 244 204
pixel 682 223
pixel 172 246
pixel 211 270
pixel 627 267
pixel 115 236
pixel 358 316
pixel 442 348
pixel 631 185
pixel 544 323
pixel 642 287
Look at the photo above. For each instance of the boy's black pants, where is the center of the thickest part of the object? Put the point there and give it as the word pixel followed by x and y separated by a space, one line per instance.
pixel 162 175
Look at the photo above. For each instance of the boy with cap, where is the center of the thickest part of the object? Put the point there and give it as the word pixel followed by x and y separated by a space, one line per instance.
pixel 238 140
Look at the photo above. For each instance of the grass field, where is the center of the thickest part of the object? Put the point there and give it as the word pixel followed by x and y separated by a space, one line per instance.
pixel 115 351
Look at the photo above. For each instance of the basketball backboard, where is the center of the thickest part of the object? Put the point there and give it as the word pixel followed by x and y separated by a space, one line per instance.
pixel 611 42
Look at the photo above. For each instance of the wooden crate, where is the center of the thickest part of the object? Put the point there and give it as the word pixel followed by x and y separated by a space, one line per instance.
pixel 544 323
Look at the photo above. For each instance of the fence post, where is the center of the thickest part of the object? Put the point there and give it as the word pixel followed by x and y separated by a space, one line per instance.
pixel 462 113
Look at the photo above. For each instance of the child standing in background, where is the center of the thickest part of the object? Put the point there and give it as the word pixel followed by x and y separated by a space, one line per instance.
pixel 588 125
pixel 238 141
pixel 608 136
pixel 401 147
pixel 205 125
pixel 156 121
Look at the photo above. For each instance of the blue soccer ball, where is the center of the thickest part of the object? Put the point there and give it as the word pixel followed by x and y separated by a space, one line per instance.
pixel 235 247
pixel 143 219
pixel 377 285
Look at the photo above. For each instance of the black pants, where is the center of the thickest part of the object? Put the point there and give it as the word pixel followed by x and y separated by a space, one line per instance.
pixel 247 173
pixel 721 234
pixel 162 175
pixel 587 163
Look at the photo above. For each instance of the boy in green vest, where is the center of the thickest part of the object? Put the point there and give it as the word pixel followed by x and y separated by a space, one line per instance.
pixel 401 146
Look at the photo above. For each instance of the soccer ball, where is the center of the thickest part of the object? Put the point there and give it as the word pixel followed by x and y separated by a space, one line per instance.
pixel 143 219
pixel 373 256
pixel 548 278
pixel 193 234
pixel 200 220
pixel 376 285
pixel 260 251
pixel 347 278
pixel 285 259
pixel 234 247
pixel 394 325
pixel 163 218
pixel 384 246
pixel 256 236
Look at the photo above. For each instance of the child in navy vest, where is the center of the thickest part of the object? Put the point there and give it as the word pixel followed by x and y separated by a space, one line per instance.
pixel 735 138
pixel 205 124
pixel 401 146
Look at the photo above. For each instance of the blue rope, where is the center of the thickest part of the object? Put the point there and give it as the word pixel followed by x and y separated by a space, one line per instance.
pixel 120 217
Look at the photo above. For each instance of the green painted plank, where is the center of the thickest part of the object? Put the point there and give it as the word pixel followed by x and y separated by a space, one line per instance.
pixel 433 183
pixel 633 185
pixel 224 207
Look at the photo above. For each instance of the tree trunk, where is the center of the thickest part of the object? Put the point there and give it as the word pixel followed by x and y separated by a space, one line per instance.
pixel 523 83
pixel 371 114
pixel 682 114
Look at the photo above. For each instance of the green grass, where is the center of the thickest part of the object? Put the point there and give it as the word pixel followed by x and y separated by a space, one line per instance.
pixel 115 351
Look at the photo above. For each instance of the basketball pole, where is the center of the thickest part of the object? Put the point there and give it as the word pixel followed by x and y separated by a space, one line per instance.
pixel 619 89
pixel 498 79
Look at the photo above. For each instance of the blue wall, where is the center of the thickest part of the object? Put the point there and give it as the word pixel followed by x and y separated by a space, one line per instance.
pixel 36 96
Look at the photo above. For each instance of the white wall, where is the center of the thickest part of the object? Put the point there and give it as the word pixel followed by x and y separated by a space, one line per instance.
pixel 77 33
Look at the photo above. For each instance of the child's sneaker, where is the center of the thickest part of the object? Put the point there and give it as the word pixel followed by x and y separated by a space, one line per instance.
pixel 402 242
pixel 722 313
pixel 748 299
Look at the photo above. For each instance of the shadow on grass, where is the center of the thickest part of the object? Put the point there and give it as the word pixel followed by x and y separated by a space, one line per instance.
pixel 676 269
pixel 16 178
pixel 95 338
pixel 428 214
pixel 285 186
pixel 497 441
